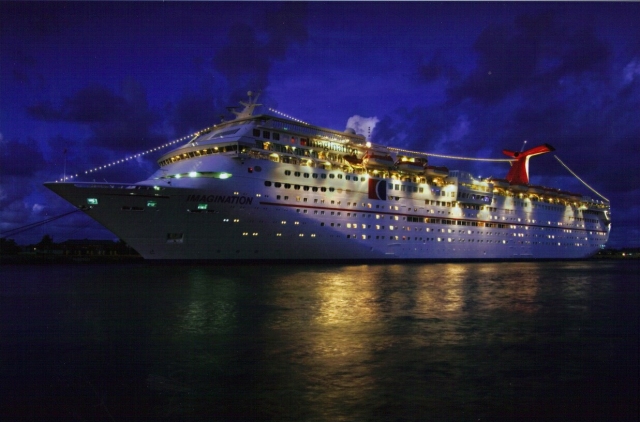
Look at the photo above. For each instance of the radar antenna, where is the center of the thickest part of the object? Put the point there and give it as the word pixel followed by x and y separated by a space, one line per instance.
pixel 249 106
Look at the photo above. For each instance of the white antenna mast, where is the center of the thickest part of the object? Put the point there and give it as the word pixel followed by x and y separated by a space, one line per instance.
pixel 523 145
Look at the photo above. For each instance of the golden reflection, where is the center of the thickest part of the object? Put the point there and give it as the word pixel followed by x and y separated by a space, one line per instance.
pixel 333 322
pixel 336 326
pixel 341 302
pixel 514 291
pixel 443 293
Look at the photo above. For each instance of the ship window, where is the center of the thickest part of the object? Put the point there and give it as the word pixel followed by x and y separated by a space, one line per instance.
pixel 297 174
pixel 315 175
pixel 332 176
pixel 287 172
pixel 314 188
pixel 323 176
pixel 202 206
pixel 92 201
pixel 276 136
pixel 267 183
pixel 174 237
pixel 296 187
pixel 277 184
pixel 347 177
pixel 256 132
pixel 339 176
pixel 266 134
pixel 152 204
pixel 306 175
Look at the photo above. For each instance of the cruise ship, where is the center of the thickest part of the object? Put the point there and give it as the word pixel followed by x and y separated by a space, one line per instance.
pixel 268 187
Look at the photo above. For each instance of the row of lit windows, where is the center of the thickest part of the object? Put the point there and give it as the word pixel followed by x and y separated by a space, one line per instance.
pixel 204 208
pixel 198 153
pixel 324 175
pixel 391 186
pixel 432 239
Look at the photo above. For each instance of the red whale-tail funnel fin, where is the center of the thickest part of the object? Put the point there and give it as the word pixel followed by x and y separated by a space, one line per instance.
pixel 519 173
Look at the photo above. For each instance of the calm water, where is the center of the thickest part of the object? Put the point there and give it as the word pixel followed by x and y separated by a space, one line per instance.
pixel 435 342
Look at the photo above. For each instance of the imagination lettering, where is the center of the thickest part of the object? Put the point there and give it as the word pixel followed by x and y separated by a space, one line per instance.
pixel 221 199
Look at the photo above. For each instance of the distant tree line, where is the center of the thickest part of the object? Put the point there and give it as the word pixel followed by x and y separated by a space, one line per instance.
pixel 68 247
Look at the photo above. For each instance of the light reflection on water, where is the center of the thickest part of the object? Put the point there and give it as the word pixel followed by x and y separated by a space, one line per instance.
pixel 357 342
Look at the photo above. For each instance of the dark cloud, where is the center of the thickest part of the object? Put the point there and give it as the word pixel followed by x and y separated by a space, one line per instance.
pixel 193 111
pixel 533 52
pixel 247 57
pixel 584 53
pixel 243 61
pixel 437 68
pixel 286 26
pixel 115 120
pixel 39 20
pixel 21 158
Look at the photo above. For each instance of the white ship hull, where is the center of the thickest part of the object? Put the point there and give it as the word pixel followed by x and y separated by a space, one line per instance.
pixel 245 220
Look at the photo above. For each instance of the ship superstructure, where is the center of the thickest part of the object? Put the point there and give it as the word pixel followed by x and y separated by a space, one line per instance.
pixel 265 187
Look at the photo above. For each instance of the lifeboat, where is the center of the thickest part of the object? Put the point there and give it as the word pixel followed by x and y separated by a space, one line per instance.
pixel 519 187
pixel 377 160
pixel 500 183
pixel 574 196
pixel 436 171
pixel 353 161
pixel 537 190
pixel 411 164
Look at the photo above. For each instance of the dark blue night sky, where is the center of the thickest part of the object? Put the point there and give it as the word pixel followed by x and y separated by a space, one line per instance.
pixel 102 81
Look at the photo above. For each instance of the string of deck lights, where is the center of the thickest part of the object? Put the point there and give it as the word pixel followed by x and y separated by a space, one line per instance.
pixel 287 116
pixel 453 157
pixel 131 157
pixel 578 177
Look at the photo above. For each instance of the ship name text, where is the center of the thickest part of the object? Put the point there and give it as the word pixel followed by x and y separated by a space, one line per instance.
pixel 222 199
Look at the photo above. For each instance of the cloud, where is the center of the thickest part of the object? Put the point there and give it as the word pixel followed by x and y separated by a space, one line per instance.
pixel 532 53
pixel 20 158
pixel 631 70
pixel 116 120
pixel 246 59
pixel 437 68
pixel 193 111
pixel 363 125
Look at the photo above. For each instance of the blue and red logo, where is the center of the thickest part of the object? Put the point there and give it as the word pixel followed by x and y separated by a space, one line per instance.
pixel 377 189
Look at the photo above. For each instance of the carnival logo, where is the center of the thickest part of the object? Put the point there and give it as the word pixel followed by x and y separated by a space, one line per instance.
pixel 377 189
